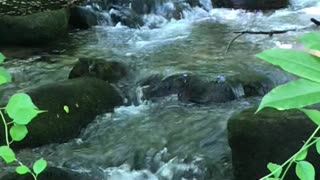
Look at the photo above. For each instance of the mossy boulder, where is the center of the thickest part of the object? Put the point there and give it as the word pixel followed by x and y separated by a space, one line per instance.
pixel 251 4
pixel 85 97
pixel 110 71
pixel 34 29
pixel 269 136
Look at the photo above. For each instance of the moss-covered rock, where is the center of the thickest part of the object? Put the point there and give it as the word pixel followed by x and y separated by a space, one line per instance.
pixel 33 29
pixel 110 71
pixel 251 4
pixel 269 136
pixel 85 97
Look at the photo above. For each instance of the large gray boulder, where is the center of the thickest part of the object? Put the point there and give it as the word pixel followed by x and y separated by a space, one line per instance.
pixel 33 29
pixel 251 4
pixel 269 136
pixel 85 97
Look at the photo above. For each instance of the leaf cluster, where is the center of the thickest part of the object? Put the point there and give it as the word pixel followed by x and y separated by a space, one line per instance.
pixel 297 94
pixel 21 110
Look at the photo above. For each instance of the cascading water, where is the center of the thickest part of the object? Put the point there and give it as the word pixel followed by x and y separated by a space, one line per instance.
pixel 166 139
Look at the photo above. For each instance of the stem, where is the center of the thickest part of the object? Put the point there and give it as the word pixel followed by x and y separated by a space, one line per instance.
pixel 8 142
pixel 5 128
pixel 21 164
pixel 292 158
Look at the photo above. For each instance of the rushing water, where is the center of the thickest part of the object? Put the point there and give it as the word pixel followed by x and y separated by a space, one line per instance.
pixel 166 139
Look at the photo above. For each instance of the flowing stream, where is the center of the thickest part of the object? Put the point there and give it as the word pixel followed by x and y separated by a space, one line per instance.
pixel 166 139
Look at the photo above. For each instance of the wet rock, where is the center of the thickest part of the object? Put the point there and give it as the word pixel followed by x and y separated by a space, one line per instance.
pixel 143 6
pixel 50 173
pixel 85 17
pixel 190 88
pixel 251 4
pixel 269 136
pixel 202 89
pixel 250 84
pixel 126 16
pixel 85 97
pixel 110 71
pixel 33 29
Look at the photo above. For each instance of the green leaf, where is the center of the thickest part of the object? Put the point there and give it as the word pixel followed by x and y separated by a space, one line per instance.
pixel 18 132
pixel 305 170
pixel 21 109
pixel 5 77
pixel 39 166
pixel 7 154
pixel 296 62
pixel 2 58
pixel 273 167
pixel 318 146
pixel 66 109
pixel 22 169
pixel 272 178
pixel 313 114
pixel 292 95
pixel 311 40
pixel 302 155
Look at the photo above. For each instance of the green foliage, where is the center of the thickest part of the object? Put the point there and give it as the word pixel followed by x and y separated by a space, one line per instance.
pixel 22 169
pixel 21 110
pixel 18 132
pixel 296 94
pixel 7 154
pixel 275 169
pixel 66 109
pixel 305 170
pixel 296 62
pixel 291 95
pixel 39 166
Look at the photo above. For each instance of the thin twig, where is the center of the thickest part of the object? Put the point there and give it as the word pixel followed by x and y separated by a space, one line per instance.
pixel 270 33
pixel 316 22
pixel 230 43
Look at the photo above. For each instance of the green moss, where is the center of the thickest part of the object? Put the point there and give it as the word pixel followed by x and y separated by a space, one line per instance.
pixel 38 28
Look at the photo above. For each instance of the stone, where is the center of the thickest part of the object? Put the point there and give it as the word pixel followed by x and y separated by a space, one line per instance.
pixel 85 97
pixel 34 29
pixel 110 71
pixel 84 17
pixel 125 16
pixel 269 136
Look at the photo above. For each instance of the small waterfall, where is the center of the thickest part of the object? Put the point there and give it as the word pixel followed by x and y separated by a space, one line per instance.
pixel 152 14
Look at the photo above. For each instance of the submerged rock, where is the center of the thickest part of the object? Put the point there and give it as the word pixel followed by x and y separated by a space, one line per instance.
pixel 110 71
pixel 85 97
pixel 251 4
pixel 34 29
pixel 269 136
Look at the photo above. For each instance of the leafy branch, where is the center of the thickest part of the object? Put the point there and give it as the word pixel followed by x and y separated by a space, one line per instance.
pixel 21 110
pixel 294 95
